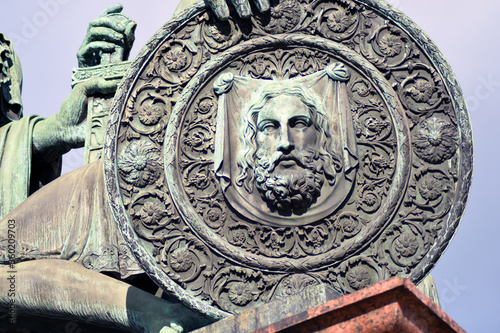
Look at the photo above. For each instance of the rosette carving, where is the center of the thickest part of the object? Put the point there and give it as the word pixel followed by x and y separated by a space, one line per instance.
pixel 284 16
pixel 185 260
pixel 240 234
pixel 338 21
pixel 152 107
pixel 403 246
pixel 358 273
pixel 151 211
pixel 147 112
pixel 348 225
pixel 401 162
pixel 238 288
pixel 178 59
pixel 435 140
pixel 430 194
pixel 140 164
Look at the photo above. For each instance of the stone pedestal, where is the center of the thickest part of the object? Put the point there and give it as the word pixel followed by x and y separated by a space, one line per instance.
pixel 270 313
pixel 394 305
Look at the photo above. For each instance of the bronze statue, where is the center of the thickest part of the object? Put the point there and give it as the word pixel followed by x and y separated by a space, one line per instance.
pixel 246 159
pixel 126 306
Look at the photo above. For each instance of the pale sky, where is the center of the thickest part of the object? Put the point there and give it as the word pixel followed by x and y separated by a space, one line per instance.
pixel 48 33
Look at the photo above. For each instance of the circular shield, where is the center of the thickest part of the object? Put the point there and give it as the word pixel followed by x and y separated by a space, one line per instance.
pixel 326 141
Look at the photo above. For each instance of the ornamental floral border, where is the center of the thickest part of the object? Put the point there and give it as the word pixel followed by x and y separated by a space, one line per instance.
pixel 438 187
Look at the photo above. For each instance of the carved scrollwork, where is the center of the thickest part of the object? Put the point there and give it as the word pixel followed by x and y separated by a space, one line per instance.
pixel 237 288
pixel 239 234
pixel 378 163
pixel 396 137
pixel 177 61
pixel 387 47
pixel 273 241
pixel 200 129
pixel 220 35
pixel 430 194
pixel 284 16
pixel 152 108
pixel 104 258
pixel 294 284
pixel 358 273
pixel 283 65
pixel 403 246
pixel 185 260
pixel 370 199
pixel 348 225
pixel 338 21
pixel 421 90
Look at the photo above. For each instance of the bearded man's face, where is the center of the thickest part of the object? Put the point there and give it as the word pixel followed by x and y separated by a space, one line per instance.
pixel 288 168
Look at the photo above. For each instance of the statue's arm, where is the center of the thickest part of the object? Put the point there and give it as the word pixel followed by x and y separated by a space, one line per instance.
pixel 66 130
pixel 109 39
pixel 221 9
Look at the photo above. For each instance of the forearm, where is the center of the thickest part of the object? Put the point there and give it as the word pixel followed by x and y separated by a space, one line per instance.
pixel 51 140
pixel 66 130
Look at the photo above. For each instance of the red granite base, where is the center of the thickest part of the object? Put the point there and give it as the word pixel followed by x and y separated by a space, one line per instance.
pixel 394 305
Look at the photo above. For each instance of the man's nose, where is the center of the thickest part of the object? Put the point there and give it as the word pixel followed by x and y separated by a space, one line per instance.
pixel 284 144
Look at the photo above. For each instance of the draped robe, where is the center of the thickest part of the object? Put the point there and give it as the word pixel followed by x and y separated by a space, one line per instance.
pixel 70 219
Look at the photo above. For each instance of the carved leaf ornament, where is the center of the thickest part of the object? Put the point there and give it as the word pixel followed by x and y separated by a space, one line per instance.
pixel 326 141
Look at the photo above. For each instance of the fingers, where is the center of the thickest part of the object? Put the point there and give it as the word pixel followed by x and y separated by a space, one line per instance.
pixel 112 10
pixel 103 21
pixel 104 34
pixel 111 27
pixel 220 9
pixel 74 105
pixel 98 85
pixel 91 52
pixel 242 8
pixel 262 5
pixel 122 24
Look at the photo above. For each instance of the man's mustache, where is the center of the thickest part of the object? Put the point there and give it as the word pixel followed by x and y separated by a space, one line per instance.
pixel 277 157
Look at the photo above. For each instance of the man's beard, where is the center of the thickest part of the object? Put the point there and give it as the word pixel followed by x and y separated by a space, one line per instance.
pixel 290 191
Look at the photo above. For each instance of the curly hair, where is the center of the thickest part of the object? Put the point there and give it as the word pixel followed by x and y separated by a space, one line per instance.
pixel 326 147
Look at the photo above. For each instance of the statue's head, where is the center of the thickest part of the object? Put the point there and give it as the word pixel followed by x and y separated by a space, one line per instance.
pixel 286 147
pixel 10 82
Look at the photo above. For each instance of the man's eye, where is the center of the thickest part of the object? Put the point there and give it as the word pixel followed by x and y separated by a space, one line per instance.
pixel 268 128
pixel 300 124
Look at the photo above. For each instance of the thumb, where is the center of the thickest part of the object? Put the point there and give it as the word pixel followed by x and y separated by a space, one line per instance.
pixel 130 33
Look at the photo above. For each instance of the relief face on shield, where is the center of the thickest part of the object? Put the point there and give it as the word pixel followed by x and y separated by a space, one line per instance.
pixel 285 149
